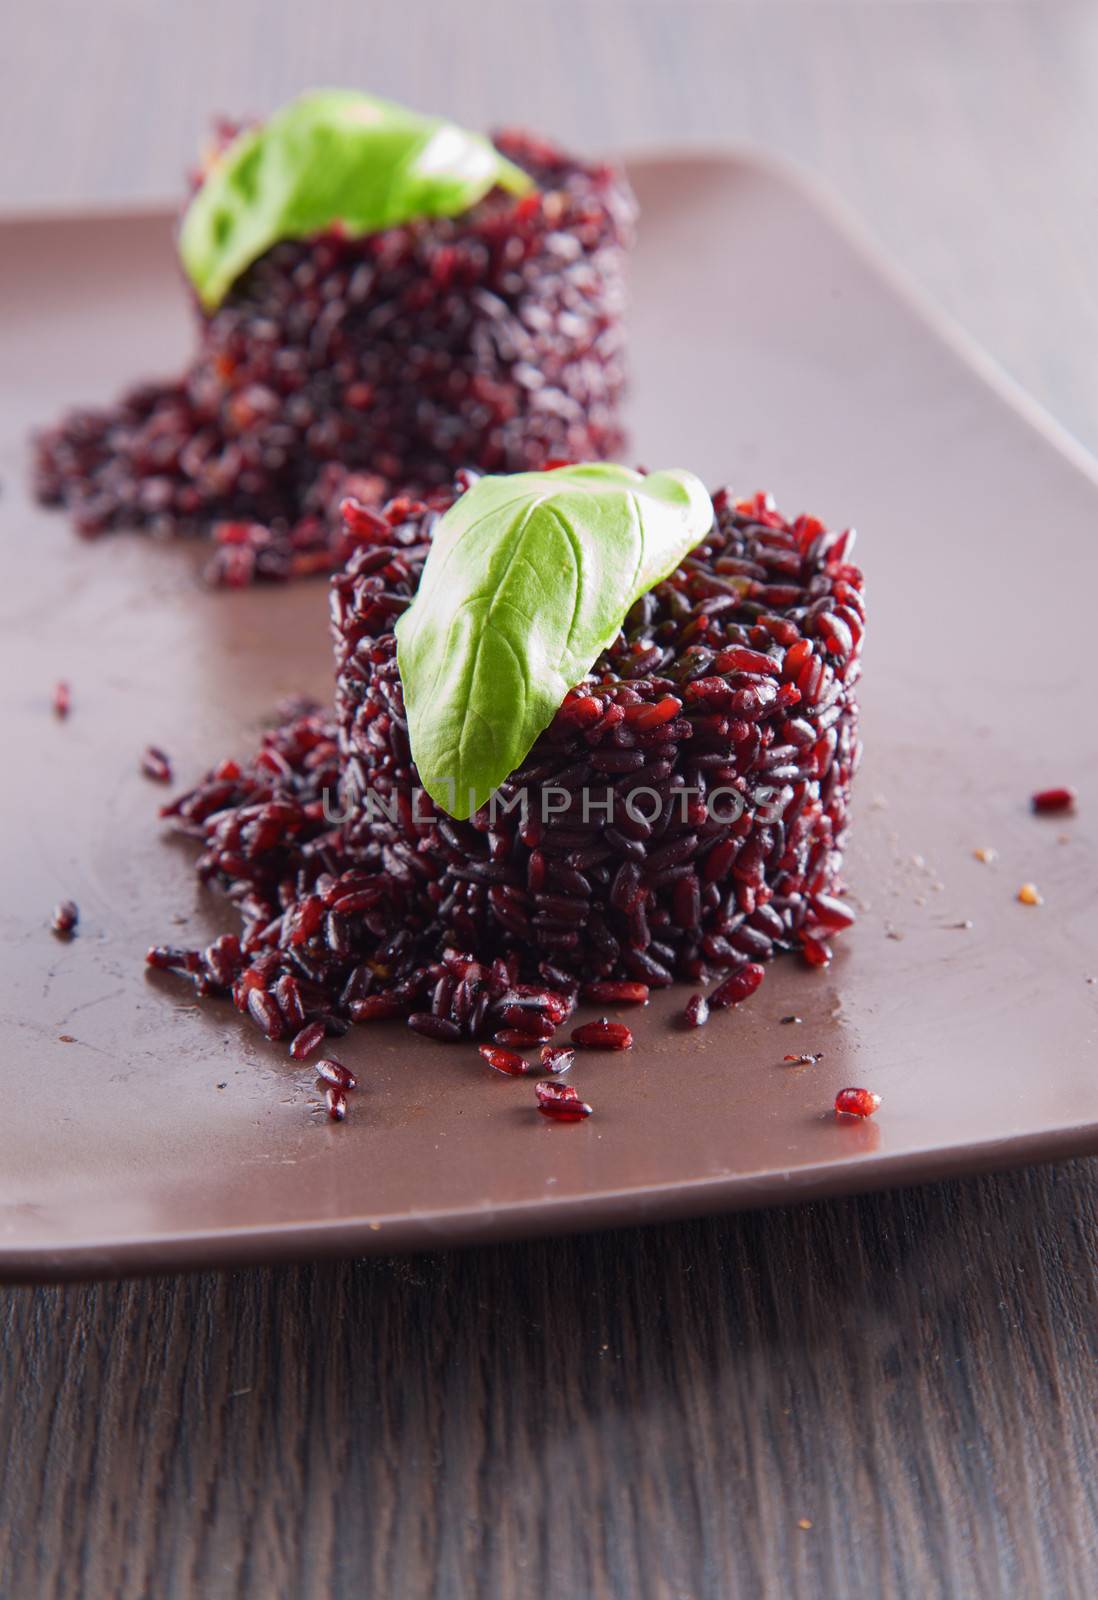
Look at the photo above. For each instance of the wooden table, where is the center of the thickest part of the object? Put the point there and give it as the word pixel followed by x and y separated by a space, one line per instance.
pixel 887 1396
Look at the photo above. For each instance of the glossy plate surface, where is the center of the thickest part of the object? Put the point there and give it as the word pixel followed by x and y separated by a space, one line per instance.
pixel 771 350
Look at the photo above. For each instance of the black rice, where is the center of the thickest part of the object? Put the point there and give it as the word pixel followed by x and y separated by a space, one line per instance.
pixel 486 928
pixel 340 365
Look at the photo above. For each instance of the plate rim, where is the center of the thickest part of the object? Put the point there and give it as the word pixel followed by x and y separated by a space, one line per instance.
pixel 235 1246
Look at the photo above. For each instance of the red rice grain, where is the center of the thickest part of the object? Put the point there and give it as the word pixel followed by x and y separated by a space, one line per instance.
pixel 156 765
pixel 696 1012
pixel 1050 801
pixel 561 1102
pixel 306 1041
pixel 603 1035
pixel 336 1074
pixel 608 993
pixel 817 952
pixel 557 1058
pixel 66 915
pixel 737 987
pixel 506 1061
pixel 856 1102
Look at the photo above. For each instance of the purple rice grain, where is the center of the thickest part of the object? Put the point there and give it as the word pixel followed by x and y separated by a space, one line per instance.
pixel 432 1027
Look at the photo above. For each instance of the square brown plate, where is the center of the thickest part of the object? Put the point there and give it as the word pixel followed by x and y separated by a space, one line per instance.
pixel 771 350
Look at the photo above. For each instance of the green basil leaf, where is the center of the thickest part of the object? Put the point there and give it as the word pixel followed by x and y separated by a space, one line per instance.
pixel 332 156
pixel 528 580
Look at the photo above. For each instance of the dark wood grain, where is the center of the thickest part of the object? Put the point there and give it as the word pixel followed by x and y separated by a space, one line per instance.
pixel 654 1412
pixel 646 1413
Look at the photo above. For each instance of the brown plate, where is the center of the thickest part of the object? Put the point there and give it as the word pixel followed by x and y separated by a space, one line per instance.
pixel 771 349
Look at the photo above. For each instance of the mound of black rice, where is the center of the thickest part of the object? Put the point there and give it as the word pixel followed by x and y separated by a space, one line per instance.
pixel 339 366
pixel 685 813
